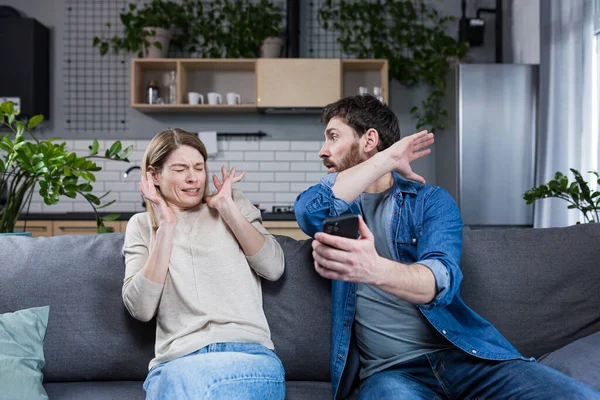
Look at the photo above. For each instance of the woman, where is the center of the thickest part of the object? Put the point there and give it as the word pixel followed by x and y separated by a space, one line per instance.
pixel 195 261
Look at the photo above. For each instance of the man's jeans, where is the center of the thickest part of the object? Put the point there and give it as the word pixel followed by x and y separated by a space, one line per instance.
pixel 453 374
pixel 219 371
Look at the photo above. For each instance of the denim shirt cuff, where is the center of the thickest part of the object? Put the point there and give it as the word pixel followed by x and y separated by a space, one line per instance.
pixel 442 279
pixel 339 206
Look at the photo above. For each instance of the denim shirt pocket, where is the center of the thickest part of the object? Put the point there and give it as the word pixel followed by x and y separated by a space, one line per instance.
pixel 407 242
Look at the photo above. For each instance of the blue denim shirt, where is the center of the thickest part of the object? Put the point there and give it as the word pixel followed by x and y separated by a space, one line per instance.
pixel 424 226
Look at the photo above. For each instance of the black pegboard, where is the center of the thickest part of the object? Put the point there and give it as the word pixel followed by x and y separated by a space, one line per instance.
pixel 96 87
pixel 96 94
pixel 321 43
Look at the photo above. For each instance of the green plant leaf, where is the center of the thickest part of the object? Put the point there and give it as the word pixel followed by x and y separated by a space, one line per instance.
pixel 8 107
pixel 94 147
pixel 111 217
pixel 114 149
pixel 126 153
pixel 35 121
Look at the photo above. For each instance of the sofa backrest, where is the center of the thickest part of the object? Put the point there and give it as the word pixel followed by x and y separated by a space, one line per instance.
pixel 539 287
pixel 90 334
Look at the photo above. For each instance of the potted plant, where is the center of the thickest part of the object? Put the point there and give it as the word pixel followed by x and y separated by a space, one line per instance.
pixel 150 28
pixel 56 170
pixel 578 194
pixel 268 26
pixel 238 29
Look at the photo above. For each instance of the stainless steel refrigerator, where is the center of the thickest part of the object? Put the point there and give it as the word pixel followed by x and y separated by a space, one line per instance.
pixel 485 157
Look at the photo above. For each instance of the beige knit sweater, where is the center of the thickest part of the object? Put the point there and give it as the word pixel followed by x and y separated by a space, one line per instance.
pixel 212 292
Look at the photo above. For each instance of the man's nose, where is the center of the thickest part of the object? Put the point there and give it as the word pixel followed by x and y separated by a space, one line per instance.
pixel 324 152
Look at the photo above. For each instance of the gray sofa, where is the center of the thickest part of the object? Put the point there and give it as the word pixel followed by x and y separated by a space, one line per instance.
pixel 538 286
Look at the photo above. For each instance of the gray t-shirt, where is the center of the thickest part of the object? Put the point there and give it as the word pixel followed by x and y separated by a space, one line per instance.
pixel 388 330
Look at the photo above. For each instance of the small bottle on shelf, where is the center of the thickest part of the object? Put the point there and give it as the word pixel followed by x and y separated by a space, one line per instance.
pixel 152 92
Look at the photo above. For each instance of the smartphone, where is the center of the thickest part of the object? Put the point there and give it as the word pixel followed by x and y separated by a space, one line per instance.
pixel 345 225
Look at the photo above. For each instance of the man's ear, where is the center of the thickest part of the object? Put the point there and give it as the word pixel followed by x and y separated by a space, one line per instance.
pixel 371 140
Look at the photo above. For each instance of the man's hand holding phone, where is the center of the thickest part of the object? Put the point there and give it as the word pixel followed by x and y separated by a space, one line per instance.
pixel 338 255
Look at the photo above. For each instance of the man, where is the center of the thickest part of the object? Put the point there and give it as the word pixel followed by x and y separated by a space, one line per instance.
pixel 399 323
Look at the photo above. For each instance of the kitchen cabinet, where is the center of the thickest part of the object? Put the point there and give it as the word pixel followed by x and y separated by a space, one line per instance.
pixel 37 228
pixel 302 83
pixel 83 227
pixel 80 227
pixel 263 84
pixel 285 228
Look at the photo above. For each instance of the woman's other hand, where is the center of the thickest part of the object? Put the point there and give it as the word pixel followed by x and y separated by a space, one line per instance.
pixel 224 188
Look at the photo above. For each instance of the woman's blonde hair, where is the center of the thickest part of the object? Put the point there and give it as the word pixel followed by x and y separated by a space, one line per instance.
pixel 158 151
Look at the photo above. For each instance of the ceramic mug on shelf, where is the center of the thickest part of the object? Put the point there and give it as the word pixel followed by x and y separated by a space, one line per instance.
pixel 233 98
pixel 195 98
pixel 214 98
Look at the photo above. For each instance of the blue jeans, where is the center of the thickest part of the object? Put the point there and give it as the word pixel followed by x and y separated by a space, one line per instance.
pixel 219 371
pixel 453 374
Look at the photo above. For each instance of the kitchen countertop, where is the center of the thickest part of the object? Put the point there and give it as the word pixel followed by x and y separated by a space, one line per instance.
pixel 84 216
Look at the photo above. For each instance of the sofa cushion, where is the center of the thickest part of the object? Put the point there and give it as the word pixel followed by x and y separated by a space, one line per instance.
pixel 539 287
pixel 22 353
pixel 298 309
pixel 579 360
pixel 297 390
pixel 90 335
pixel 130 390
pixel 133 390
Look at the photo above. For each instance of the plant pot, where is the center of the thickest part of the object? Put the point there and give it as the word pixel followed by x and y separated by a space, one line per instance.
pixel 271 47
pixel 163 36
pixel 16 234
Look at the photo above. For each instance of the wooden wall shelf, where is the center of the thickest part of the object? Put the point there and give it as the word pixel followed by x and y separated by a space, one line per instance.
pixel 262 84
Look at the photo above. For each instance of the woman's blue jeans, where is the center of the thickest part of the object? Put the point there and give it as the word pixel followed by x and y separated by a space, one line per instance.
pixel 219 371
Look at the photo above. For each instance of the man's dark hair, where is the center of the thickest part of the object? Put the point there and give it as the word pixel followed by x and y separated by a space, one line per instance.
pixel 363 112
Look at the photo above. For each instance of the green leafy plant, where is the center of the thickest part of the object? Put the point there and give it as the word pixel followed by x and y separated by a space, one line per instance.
pixel 577 193
pixel 216 29
pixel 410 34
pixel 58 171
pixel 236 28
pixel 178 18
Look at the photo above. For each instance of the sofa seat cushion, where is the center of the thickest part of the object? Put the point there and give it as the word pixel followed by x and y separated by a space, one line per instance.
pixel 132 390
pixel 308 390
pixel 579 360
pixel 97 390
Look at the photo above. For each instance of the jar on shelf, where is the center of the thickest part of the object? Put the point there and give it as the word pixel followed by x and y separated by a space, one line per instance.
pixel 152 92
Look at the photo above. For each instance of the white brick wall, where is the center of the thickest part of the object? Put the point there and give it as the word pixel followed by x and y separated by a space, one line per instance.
pixel 276 172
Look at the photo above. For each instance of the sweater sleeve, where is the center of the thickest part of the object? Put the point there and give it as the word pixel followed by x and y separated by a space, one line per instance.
pixel 269 261
pixel 140 296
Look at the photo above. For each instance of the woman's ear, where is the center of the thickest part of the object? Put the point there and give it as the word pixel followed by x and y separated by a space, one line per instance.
pixel 371 140
pixel 154 174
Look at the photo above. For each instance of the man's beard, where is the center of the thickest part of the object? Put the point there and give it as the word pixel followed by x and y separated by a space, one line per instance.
pixel 349 160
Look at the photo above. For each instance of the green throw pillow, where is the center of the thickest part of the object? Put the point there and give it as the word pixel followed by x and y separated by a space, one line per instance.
pixel 22 353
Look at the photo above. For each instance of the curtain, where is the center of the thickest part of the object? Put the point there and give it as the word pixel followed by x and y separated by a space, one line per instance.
pixel 568 128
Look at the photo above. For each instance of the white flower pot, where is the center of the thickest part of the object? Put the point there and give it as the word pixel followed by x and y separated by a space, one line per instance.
pixel 163 36
pixel 271 47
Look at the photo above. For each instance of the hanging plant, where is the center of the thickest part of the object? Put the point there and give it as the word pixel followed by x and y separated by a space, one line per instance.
pixel 411 35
